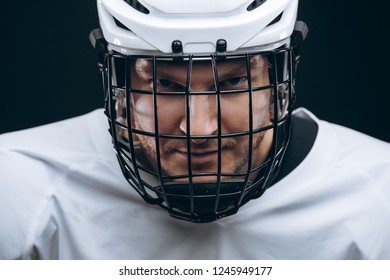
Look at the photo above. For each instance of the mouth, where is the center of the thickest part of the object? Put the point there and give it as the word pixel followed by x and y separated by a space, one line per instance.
pixel 199 157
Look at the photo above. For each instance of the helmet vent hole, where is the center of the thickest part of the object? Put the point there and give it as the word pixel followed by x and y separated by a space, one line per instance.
pixel 255 4
pixel 121 25
pixel 275 20
pixel 138 6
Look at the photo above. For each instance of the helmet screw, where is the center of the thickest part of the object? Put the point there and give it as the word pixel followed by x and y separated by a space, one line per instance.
pixel 177 47
pixel 221 46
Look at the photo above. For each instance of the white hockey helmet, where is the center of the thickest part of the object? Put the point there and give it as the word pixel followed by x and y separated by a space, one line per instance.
pixel 131 26
pixel 186 31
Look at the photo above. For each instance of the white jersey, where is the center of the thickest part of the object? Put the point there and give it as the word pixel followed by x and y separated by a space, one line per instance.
pixel 63 196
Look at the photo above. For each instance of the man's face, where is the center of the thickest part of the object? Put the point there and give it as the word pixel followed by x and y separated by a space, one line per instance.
pixel 198 115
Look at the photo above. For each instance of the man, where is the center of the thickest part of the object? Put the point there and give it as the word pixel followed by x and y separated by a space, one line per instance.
pixel 199 101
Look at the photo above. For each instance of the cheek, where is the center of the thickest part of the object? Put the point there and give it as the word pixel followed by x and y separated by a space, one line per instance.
pixel 144 112
pixel 235 111
pixel 261 108
pixel 170 112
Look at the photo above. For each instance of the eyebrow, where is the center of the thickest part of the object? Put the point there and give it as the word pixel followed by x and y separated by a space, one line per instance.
pixel 237 70
pixel 231 71
pixel 167 75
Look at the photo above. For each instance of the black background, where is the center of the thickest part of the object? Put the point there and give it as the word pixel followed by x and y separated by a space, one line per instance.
pixel 48 67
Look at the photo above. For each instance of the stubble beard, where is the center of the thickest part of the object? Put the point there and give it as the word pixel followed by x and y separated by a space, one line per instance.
pixel 148 156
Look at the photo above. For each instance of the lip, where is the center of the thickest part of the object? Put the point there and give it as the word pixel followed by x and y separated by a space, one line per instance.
pixel 198 158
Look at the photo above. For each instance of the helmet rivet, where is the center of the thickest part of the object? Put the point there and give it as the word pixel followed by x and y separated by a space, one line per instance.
pixel 221 46
pixel 177 47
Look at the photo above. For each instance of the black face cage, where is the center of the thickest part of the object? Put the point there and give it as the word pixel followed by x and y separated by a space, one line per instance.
pixel 186 195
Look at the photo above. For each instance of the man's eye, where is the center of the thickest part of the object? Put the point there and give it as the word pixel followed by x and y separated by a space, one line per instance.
pixel 234 82
pixel 165 83
pixel 168 85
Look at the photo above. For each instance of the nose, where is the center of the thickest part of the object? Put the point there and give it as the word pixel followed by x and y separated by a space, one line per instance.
pixel 202 117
